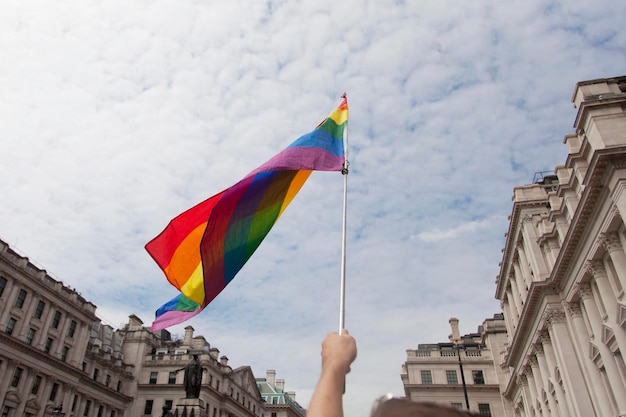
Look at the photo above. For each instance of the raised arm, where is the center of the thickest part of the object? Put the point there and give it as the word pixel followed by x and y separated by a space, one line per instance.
pixel 338 352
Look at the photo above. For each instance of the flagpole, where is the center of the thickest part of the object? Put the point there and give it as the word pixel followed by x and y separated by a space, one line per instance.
pixel 342 291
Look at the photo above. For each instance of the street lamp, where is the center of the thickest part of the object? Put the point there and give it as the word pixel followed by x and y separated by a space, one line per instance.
pixel 458 345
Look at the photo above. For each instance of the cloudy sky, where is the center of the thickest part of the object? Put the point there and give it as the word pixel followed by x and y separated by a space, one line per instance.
pixel 116 116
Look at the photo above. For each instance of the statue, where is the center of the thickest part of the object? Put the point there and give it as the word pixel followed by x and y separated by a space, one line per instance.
pixel 193 377
pixel 167 412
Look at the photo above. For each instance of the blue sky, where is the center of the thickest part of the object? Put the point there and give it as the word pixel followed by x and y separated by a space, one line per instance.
pixel 116 116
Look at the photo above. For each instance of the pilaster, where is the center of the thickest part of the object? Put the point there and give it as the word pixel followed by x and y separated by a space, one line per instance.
pixel 580 402
pixel 615 383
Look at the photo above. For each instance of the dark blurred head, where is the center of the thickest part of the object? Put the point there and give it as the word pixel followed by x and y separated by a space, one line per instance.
pixel 397 407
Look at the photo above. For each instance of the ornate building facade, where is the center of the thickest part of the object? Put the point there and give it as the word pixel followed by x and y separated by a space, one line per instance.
pixel 561 282
pixel 58 359
pixel 563 273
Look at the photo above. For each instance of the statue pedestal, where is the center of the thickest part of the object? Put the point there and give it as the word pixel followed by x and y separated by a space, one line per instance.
pixel 190 407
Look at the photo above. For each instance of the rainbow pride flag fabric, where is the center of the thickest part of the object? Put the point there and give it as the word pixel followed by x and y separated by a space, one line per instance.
pixel 201 250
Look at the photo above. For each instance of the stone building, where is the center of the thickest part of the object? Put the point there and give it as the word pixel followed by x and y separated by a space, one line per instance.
pixel 278 403
pixel 58 359
pixel 47 354
pixel 561 283
pixel 563 272
pixel 432 372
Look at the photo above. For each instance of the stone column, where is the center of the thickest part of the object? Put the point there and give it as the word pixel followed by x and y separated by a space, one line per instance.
pixel 565 408
pixel 510 314
pixel 544 371
pixel 609 300
pixel 592 377
pixel 524 265
pixel 517 299
pixel 29 311
pixel 522 382
pixel 618 196
pixel 529 232
pixel 10 292
pixel 593 315
pixel 519 278
pixel 43 334
pixel 566 358
pixel 613 246
pixel 534 365
pixel 533 389
pixel 9 370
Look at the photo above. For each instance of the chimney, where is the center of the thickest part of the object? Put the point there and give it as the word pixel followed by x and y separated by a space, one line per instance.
pixel 455 337
pixel 134 321
pixel 291 395
pixel 224 360
pixel 188 336
pixel 214 352
pixel 280 384
pixel 270 377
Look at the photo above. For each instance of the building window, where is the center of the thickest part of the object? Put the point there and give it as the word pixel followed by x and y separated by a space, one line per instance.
pixel 479 378
pixel 53 392
pixel 107 380
pixel 172 378
pixel 10 326
pixel 36 382
pixel 427 377
pixel 217 385
pixel 64 352
pixel 71 329
pixel 119 386
pixel 74 402
pixel 100 410
pixel 95 374
pixel 112 413
pixel 273 414
pixel 458 406
pixel 56 320
pixel 29 336
pixel 6 410
pixel 153 377
pixel 170 403
pixel 48 345
pixel 484 410
pixel 17 374
pixel 451 377
pixel 39 309
pixel 19 300
pixel 87 407
pixel 147 409
pixel 3 284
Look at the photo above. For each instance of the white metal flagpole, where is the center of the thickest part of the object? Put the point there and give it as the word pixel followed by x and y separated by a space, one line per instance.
pixel 344 171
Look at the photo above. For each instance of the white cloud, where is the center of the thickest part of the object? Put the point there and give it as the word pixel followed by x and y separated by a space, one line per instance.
pixel 438 235
pixel 117 116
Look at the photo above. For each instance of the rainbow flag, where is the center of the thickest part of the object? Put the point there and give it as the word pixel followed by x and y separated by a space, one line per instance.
pixel 201 250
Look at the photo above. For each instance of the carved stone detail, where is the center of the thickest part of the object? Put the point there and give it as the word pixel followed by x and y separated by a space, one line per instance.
pixel 610 241
pixel 554 315
pixel 596 268
pixel 574 309
pixel 584 290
